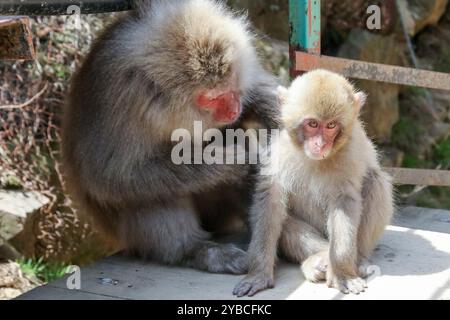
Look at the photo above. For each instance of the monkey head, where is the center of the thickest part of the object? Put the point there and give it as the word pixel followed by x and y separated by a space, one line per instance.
pixel 319 110
pixel 223 102
pixel 207 59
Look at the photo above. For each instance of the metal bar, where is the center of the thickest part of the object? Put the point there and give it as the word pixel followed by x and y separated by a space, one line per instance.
pixel 426 177
pixel 61 7
pixel 304 35
pixel 16 41
pixel 374 71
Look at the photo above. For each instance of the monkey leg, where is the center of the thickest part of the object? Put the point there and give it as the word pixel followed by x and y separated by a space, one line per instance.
pixel 172 234
pixel 378 209
pixel 223 210
pixel 302 243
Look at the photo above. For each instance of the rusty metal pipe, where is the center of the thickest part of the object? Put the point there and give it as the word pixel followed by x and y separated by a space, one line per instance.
pixel 61 7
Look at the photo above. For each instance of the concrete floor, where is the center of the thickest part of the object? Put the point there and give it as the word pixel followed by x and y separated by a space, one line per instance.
pixel 412 261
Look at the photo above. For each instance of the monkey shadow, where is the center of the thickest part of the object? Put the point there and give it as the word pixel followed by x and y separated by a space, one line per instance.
pixel 240 239
pixel 435 220
pixel 409 252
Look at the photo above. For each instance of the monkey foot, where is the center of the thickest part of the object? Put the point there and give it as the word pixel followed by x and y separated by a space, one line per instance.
pixel 252 284
pixel 315 267
pixel 219 258
pixel 346 285
pixel 364 270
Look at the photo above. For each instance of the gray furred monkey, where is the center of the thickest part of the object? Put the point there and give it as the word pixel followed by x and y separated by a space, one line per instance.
pixel 155 70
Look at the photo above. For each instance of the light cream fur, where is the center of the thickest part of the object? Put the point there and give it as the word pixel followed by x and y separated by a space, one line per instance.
pixel 339 205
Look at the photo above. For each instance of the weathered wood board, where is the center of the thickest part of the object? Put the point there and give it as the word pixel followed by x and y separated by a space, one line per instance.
pixel 16 39
pixel 413 258
pixel 373 71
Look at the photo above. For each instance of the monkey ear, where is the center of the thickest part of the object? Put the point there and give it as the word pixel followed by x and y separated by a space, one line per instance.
pixel 360 100
pixel 282 95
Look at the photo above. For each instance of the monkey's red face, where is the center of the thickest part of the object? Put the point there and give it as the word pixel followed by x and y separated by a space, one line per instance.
pixel 225 106
pixel 319 137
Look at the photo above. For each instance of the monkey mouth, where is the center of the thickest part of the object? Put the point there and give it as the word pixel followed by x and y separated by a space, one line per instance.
pixel 318 153
pixel 228 116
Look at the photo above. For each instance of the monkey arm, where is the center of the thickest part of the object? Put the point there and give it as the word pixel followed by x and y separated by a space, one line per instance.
pixel 187 178
pixel 268 214
pixel 262 104
pixel 156 177
pixel 343 223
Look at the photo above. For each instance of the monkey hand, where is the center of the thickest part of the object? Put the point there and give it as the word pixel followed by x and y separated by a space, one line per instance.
pixel 253 283
pixel 346 284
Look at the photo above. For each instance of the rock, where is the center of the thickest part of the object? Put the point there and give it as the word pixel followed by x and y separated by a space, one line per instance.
pixel 433 46
pixel 8 252
pixel 15 206
pixel 382 109
pixel 418 14
pixel 269 16
pixel 343 16
pixel 13 282
pixel 275 58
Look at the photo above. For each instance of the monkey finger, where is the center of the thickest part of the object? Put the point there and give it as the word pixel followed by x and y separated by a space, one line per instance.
pixel 364 270
pixel 341 287
pixel 255 290
pixel 242 289
pixel 233 259
pixel 337 284
pixel 355 285
pixel 363 283
pixel 253 284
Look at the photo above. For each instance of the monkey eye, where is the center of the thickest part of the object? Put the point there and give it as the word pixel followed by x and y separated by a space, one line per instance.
pixel 313 124
pixel 332 125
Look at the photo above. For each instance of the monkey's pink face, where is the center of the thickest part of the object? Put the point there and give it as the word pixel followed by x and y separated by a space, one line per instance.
pixel 225 106
pixel 319 137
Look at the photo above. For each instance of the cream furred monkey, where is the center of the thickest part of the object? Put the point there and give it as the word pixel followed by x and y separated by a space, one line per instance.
pixel 325 201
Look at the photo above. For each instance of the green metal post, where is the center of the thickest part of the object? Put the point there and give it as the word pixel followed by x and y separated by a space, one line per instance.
pixel 304 23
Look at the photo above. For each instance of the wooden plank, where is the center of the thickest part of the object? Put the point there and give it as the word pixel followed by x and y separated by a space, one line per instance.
pixel 62 7
pixel 414 264
pixel 53 293
pixel 436 220
pixel 373 71
pixel 424 177
pixel 16 41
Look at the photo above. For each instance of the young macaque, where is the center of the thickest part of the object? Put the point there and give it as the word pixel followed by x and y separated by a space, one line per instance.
pixel 155 70
pixel 324 201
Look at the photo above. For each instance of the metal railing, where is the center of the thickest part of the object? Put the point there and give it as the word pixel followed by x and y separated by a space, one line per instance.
pixel 305 55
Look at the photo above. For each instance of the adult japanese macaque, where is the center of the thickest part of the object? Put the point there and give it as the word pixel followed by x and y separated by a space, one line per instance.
pixel 324 200
pixel 155 70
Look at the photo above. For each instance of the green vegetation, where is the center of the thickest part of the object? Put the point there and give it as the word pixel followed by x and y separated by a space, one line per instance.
pixel 38 268
pixel 431 197
pixel 10 182
pixel 443 61
pixel 442 153
pixel 412 161
pixel 435 197
pixel 405 133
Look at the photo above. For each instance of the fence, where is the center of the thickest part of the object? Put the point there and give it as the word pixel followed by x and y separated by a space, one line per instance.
pixel 305 55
